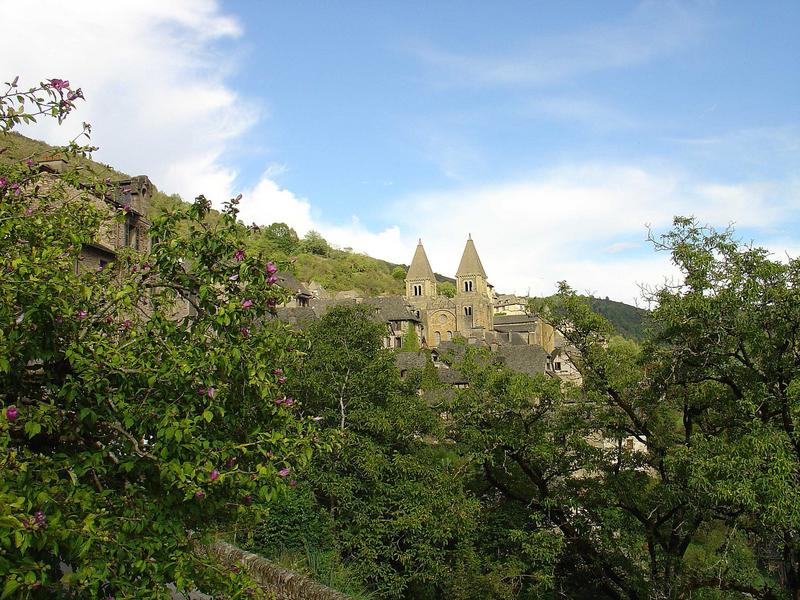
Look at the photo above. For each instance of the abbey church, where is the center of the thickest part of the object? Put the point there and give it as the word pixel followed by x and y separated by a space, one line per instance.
pixel 470 314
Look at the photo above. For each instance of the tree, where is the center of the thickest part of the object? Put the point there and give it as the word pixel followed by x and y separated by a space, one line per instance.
pixel 399 273
pixel 411 341
pixel 401 519
pixel 314 243
pixel 281 237
pixel 673 471
pixel 447 289
pixel 128 436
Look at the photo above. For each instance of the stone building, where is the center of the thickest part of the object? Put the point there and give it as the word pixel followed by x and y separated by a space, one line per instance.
pixel 132 196
pixel 469 314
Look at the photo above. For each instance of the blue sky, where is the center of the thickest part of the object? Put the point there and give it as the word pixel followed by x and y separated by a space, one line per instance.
pixel 553 132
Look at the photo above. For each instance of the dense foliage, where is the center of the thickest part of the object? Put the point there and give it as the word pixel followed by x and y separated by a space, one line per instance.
pixel 131 429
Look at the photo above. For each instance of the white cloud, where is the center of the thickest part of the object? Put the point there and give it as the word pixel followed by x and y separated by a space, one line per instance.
pixel 571 223
pixel 583 223
pixel 154 80
pixel 269 203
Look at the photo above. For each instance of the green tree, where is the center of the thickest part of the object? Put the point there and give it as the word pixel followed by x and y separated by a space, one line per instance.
pixel 129 435
pixel 447 289
pixel 411 341
pixel 281 237
pixel 399 273
pixel 314 243
pixel 401 519
pixel 673 471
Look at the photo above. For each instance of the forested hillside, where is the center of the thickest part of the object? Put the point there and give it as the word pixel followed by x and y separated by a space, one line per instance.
pixel 312 258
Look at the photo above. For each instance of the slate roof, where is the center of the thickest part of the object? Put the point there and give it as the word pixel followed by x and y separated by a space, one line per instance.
pixel 531 360
pixel 296 315
pixel 409 360
pixel 391 308
pixel 289 282
pixel 470 261
pixel 513 319
pixel 420 266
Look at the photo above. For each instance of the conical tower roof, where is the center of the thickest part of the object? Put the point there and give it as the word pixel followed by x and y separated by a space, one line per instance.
pixel 420 267
pixel 470 261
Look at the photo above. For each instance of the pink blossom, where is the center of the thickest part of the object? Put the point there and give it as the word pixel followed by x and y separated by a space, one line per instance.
pixel 284 472
pixel 29 163
pixel 211 392
pixel 245 332
pixel 281 379
pixel 293 483
pixel 278 372
pixel 247 303
pixel 272 279
pixel 239 255
pixel 127 208
pixel 271 268
pixel 82 314
pixel 29 211
pixel 15 187
pixel 288 401
pixel 3 182
pixel 200 494
pixel 59 84
pixel 12 413
pixel 233 277
pixel 230 462
pixel 214 475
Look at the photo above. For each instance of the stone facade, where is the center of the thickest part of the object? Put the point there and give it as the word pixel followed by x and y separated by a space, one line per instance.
pixel 470 314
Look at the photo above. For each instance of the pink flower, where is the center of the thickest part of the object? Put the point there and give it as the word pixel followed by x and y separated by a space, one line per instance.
pixel 82 314
pixel 235 569
pixel 284 472
pixel 59 84
pixel 3 182
pixel 245 332
pixel 211 392
pixel 278 372
pixel 127 208
pixel 200 494
pixel 15 187
pixel 233 277
pixel 271 268
pixel 293 483
pixel 126 324
pixel 288 401
pixel 12 413
pixel 29 211
pixel 272 279
pixel 29 163
pixel 247 303
pixel 239 255
pixel 230 462
pixel 281 379
pixel 214 475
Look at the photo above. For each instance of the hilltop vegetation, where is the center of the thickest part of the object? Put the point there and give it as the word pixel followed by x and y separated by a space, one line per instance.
pixel 312 258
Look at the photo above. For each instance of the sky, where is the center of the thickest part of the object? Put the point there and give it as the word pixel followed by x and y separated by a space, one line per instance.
pixel 557 134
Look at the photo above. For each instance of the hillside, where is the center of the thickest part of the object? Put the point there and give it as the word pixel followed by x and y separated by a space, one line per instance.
pixel 312 258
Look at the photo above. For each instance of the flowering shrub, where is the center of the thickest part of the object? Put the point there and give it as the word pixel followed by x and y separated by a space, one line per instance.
pixel 129 434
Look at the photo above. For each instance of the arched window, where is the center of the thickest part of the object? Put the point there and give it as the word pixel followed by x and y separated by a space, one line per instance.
pixel 468 311
pixel 449 336
pixel 417 290
pixel 438 337
pixel 468 286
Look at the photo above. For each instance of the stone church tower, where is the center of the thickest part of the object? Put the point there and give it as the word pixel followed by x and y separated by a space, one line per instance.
pixel 420 280
pixel 469 314
pixel 474 301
